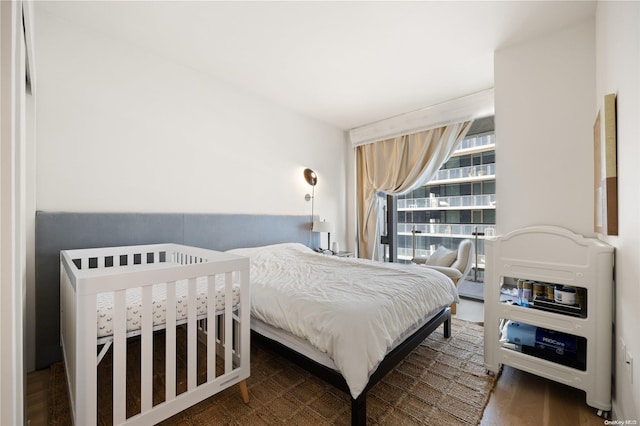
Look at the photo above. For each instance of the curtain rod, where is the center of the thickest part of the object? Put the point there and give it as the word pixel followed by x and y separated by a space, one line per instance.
pixel 470 107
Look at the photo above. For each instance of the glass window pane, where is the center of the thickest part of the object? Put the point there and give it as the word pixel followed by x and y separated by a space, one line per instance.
pixel 489 187
pixel 489 157
pixel 453 216
pixel 451 211
pixel 465 161
pixel 451 190
pixel 489 217
pixel 452 163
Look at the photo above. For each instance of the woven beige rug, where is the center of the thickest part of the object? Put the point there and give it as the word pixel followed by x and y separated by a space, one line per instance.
pixel 443 381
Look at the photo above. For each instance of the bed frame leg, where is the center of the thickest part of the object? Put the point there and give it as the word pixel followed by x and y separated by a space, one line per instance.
pixel 359 410
pixel 447 327
pixel 244 392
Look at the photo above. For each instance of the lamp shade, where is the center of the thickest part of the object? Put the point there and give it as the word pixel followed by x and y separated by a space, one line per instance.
pixel 323 226
pixel 311 177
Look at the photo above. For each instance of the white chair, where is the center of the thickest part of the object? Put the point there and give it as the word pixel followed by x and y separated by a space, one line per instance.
pixel 452 263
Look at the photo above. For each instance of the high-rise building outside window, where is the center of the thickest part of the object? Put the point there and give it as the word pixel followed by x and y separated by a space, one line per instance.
pixel 458 203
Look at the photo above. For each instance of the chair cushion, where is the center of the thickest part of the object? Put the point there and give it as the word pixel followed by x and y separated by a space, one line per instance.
pixel 464 261
pixel 442 257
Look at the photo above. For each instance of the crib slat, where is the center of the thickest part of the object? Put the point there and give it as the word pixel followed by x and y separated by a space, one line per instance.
pixel 192 342
pixel 119 356
pixel 212 326
pixel 146 352
pixel 86 391
pixel 170 353
pixel 228 321
pixel 245 311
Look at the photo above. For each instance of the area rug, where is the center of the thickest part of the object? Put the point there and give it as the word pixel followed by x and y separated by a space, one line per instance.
pixel 443 381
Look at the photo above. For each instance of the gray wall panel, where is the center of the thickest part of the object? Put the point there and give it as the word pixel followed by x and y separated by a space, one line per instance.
pixel 224 232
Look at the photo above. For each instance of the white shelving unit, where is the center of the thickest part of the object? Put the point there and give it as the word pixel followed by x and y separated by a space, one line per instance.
pixel 554 256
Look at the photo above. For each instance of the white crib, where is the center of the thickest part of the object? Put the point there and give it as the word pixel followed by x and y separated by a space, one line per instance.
pixel 176 274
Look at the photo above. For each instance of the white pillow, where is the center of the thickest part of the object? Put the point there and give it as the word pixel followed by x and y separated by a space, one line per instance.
pixel 442 257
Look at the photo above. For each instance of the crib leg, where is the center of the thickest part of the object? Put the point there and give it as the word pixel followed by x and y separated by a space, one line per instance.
pixel 244 391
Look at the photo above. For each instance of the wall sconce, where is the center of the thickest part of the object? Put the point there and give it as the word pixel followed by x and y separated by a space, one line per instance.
pixel 312 179
pixel 310 176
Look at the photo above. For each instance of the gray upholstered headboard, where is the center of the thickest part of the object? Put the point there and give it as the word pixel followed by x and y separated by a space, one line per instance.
pixel 63 231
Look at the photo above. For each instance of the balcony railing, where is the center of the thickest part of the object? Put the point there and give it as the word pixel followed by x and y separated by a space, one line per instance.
pixel 440 203
pixel 407 254
pixel 486 171
pixel 445 229
pixel 477 141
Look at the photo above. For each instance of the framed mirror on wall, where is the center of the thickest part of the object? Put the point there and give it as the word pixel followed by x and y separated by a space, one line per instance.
pixel 605 185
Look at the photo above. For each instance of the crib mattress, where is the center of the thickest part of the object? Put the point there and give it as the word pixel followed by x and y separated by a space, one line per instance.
pixel 104 304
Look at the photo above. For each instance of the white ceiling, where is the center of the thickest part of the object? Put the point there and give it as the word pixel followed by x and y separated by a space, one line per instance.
pixel 344 63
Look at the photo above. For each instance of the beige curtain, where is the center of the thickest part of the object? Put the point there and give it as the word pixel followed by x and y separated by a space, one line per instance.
pixel 395 166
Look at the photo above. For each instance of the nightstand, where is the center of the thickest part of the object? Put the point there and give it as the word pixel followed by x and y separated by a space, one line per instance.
pixel 344 254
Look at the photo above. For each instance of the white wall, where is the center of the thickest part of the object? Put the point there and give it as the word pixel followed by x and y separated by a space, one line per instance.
pixel 547 98
pixel 121 129
pixel 618 71
pixel 544 138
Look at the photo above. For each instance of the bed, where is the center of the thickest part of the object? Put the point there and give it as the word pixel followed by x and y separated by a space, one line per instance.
pixel 347 320
pixel 110 295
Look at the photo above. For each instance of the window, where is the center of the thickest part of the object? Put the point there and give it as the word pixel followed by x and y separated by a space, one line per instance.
pixel 458 203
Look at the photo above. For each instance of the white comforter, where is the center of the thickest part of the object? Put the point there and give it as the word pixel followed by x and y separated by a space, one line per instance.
pixel 352 309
